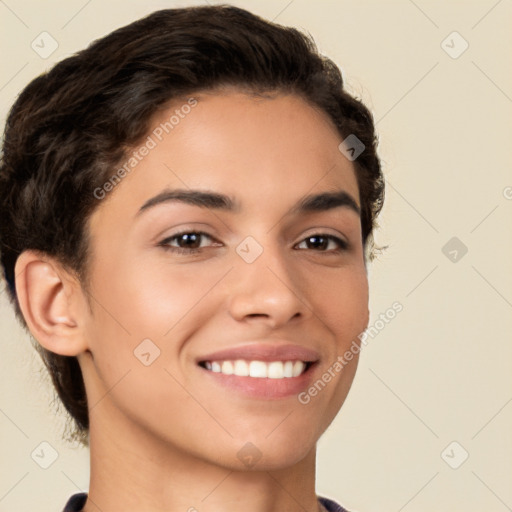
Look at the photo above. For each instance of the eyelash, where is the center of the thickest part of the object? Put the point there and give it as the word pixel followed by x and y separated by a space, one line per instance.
pixel 342 244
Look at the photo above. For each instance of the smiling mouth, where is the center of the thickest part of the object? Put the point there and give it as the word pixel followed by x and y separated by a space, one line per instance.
pixel 258 369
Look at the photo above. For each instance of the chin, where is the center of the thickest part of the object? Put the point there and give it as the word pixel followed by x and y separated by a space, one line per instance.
pixel 250 458
pixel 276 451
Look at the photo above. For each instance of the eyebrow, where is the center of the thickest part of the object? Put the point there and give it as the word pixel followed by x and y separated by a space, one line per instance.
pixel 213 200
pixel 194 197
pixel 327 201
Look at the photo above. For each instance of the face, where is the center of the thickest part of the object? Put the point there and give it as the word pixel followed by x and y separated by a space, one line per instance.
pixel 228 278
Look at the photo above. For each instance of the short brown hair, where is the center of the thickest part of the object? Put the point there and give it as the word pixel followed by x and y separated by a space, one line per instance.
pixel 71 126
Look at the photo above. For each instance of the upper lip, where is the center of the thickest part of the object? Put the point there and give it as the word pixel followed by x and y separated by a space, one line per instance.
pixel 263 352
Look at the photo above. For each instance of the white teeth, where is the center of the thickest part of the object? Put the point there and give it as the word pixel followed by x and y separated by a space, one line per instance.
pixel 227 368
pixel 275 370
pixel 241 368
pixel 298 368
pixel 258 369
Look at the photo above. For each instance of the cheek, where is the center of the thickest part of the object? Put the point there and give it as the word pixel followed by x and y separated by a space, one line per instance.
pixel 150 299
pixel 169 299
pixel 340 301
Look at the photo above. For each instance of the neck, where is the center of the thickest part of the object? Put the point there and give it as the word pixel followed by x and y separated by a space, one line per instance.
pixel 131 470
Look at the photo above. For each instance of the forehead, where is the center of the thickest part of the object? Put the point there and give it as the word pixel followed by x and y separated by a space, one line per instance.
pixel 256 149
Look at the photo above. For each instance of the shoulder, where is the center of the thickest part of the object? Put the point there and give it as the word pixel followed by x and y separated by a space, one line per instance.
pixel 330 505
pixel 76 502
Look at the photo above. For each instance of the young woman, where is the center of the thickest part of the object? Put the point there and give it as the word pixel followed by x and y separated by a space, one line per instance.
pixel 187 209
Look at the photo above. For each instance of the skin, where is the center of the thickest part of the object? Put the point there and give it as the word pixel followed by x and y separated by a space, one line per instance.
pixel 166 436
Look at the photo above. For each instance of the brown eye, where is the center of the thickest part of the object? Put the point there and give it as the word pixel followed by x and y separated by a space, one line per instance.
pixel 189 241
pixel 323 243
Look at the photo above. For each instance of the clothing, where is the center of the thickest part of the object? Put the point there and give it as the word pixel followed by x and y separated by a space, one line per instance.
pixel 77 501
pixel 330 505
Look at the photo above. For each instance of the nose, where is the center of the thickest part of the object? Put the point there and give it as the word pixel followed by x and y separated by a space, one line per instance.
pixel 266 291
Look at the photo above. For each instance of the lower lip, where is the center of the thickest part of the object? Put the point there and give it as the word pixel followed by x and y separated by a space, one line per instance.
pixel 264 388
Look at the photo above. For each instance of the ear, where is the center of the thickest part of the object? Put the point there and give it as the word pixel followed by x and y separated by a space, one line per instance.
pixel 52 303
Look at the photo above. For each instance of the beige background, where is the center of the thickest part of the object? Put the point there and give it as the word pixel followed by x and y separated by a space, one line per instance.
pixel 441 370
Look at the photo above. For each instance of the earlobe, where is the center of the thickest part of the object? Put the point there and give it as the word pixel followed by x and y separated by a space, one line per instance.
pixel 49 301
